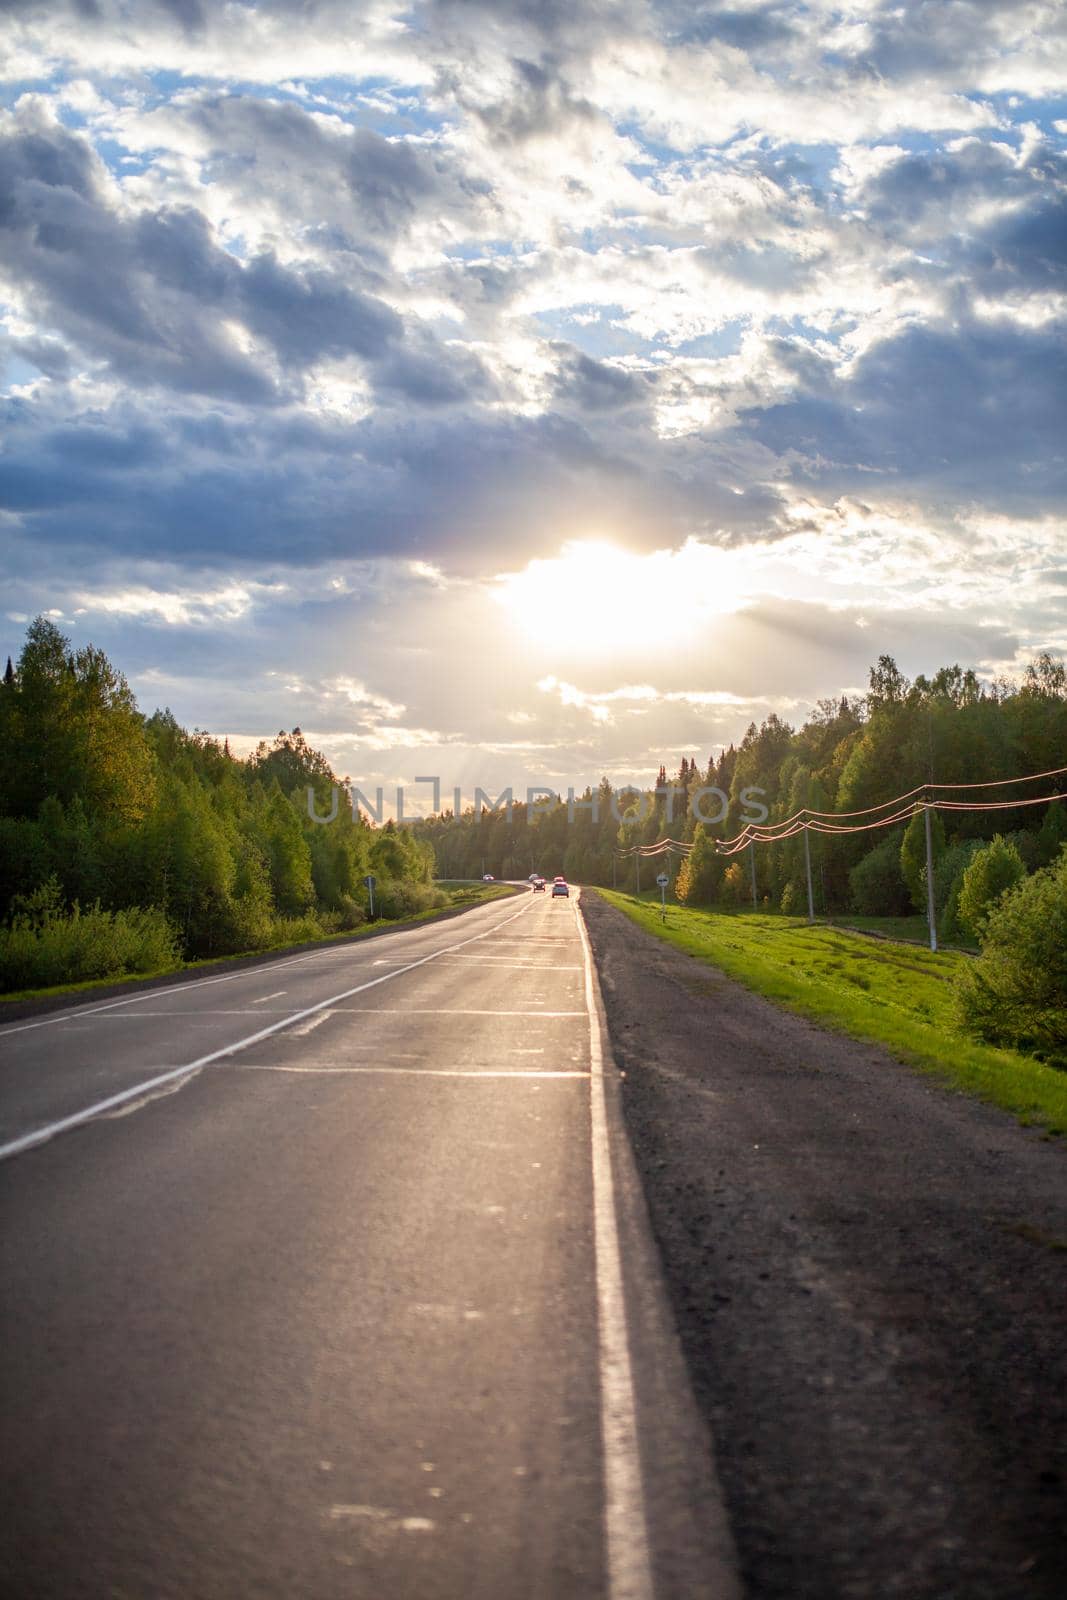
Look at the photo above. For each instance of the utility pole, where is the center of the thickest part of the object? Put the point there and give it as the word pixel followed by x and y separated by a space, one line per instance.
pixel 807 864
pixel 752 861
pixel 614 870
pixel 930 880
pixel 637 868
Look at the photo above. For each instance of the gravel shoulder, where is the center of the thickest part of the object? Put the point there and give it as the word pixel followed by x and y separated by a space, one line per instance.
pixel 869 1278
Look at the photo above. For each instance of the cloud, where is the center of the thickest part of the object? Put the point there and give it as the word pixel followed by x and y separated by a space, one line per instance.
pixel 313 290
pixel 975 413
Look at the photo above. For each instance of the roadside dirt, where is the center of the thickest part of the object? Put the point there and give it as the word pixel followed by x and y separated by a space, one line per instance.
pixel 869 1276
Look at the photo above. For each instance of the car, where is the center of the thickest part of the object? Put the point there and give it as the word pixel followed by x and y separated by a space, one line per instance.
pixel 487 877
pixel 533 877
pixel 538 886
pixel 559 878
pixel 559 887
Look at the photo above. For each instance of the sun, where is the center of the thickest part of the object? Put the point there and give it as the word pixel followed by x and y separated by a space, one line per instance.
pixel 597 599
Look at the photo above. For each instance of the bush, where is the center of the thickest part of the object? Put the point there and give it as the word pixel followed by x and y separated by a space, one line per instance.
pixel 876 883
pixel 45 945
pixel 994 870
pixel 400 898
pixel 1015 992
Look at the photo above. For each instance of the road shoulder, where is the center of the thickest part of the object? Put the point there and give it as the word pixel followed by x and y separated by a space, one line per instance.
pixel 864 1273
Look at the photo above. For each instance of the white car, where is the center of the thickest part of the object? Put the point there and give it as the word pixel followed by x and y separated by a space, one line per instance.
pixel 487 877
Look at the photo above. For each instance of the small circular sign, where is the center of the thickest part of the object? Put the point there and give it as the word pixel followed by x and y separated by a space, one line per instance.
pixel 663 880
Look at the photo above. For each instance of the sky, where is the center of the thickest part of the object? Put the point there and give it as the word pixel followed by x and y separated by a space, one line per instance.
pixel 519 392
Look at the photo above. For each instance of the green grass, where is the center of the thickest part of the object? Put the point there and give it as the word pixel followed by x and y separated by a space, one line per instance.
pixel 470 894
pixel 896 995
pixel 912 929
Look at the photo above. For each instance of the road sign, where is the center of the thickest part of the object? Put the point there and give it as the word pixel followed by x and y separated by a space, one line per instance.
pixel 370 880
pixel 663 880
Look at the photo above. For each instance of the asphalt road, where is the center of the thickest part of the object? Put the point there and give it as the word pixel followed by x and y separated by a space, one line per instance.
pixel 331 1277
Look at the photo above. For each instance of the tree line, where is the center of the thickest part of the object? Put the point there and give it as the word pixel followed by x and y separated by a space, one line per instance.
pixel 851 753
pixel 125 833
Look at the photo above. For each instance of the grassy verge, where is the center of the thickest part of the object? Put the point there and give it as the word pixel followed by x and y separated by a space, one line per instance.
pixel 895 995
pixel 459 899
pixel 911 930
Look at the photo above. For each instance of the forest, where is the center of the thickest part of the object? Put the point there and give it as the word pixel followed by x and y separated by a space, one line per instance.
pixel 852 753
pixel 128 844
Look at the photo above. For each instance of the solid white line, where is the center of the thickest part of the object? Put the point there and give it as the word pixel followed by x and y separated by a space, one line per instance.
pixel 39 1135
pixel 625 1524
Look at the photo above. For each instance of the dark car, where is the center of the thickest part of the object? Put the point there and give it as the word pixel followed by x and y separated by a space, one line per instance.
pixel 559 887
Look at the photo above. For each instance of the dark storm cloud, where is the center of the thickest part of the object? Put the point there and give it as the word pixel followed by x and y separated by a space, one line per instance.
pixel 977 411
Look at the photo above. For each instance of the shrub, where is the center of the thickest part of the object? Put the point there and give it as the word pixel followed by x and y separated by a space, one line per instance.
pixel 1015 992
pixel 994 870
pixel 400 898
pixel 877 884
pixel 45 945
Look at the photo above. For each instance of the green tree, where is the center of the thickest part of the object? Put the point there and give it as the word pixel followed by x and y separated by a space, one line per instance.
pixel 913 854
pixel 700 875
pixel 1015 993
pixel 994 870
pixel 72 729
pixel 877 883
pixel 288 855
pixel 1052 835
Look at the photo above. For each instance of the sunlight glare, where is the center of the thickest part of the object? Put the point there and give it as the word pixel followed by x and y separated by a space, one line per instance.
pixel 597 599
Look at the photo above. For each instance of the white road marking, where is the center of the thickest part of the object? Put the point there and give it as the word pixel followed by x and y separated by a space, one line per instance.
pixel 410 1072
pixel 625 1525
pixel 302 1029
pixel 27 1141
pixel 275 996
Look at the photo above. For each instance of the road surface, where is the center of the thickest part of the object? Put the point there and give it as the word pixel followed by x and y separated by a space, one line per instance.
pixel 330 1278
